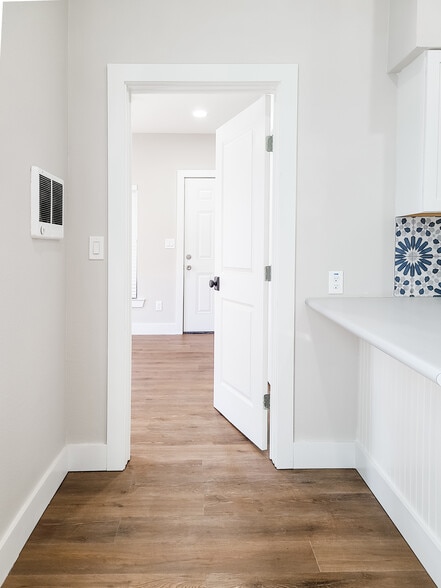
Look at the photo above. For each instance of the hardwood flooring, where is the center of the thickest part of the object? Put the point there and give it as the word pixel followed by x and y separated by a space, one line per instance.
pixel 200 507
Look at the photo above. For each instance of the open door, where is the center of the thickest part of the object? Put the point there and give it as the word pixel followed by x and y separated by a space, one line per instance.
pixel 241 254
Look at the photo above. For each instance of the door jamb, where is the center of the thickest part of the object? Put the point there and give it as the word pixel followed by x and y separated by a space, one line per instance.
pixel 280 80
pixel 181 176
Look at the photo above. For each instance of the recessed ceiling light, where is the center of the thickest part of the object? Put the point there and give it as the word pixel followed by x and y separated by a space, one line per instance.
pixel 199 113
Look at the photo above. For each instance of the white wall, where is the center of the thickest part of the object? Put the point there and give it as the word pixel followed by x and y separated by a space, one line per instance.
pixel 33 131
pixel 345 168
pixel 429 30
pixel 413 27
pixel 156 158
pixel 402 32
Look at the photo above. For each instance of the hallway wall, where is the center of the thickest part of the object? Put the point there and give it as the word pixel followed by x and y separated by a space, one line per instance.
pixel 346 142
pixel 33 131
pixel 156 159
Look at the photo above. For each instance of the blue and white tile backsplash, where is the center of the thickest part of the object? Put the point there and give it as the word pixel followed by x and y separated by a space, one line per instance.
pixel 417 256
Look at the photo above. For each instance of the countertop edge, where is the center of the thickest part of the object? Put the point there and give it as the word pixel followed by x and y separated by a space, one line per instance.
pixel 355 326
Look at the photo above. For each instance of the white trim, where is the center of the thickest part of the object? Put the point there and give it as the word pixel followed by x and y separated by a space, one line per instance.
pixel 419 537
pixel 138 302
pixel 323 455
pixel 87 457
pixel 28 516
pixel 181 176
pixel 156 329
pixel 119 311
pixel 1 26
pixel 134 245
pixel 280 80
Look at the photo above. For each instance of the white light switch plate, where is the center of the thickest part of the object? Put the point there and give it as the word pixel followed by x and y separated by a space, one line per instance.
pixel 96 248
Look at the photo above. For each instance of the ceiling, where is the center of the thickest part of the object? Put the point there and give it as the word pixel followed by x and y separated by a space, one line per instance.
pixel 172 112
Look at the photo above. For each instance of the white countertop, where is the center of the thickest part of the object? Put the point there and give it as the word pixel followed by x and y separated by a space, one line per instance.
pixel 408 329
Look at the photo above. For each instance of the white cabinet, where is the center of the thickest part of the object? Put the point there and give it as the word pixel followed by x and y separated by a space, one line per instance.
pixel 418 186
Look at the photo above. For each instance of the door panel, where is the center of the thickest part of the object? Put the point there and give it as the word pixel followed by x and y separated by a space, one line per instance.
pixel 236 349
pixel 237 202
pixel 198 254
pixel 205 231
pixel 241 305
pixel 204 297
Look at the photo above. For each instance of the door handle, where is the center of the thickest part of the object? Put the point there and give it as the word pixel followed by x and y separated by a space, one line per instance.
pixel 214 283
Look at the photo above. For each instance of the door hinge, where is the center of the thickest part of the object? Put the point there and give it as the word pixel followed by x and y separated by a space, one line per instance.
pixel 266 397
pixel 267 273
pixel 269 142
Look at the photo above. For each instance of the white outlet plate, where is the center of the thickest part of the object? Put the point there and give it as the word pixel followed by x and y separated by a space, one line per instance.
pixel 158 305
pixel 335 283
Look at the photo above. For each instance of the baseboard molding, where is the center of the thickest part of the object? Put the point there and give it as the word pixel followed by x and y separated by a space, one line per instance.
pixel 419 537
pixel 323 455
pixel 156 329
pixel 75 457
pixel 28 516
pixel 87 457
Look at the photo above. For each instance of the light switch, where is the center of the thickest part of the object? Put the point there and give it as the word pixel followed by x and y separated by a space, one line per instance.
pixel 96 248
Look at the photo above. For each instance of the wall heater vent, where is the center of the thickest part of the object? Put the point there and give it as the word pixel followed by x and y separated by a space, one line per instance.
pixel 47 205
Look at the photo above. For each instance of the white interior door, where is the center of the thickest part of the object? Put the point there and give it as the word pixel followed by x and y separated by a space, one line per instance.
pixel 241 304
pixel 198 254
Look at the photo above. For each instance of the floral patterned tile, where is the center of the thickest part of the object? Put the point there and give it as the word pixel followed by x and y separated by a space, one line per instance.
pixel 417 256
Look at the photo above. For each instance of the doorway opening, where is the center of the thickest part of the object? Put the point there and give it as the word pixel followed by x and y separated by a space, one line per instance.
pixel 242 205
pixel 280 80
pixel 176 208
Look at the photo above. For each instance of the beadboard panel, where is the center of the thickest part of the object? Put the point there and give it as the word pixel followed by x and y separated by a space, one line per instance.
pixel 399 433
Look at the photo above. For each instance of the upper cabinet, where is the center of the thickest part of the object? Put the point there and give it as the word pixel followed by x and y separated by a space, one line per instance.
pixel 418 186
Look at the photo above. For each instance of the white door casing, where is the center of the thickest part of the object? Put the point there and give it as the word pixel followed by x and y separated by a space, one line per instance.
pixel 279 79
pixel 242 252
pixel 198 259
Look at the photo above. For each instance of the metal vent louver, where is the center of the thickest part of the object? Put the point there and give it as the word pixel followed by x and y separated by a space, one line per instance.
pixel 57 203
pixel 47 205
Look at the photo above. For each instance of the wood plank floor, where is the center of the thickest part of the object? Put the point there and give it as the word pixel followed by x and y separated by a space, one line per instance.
pixel 200 507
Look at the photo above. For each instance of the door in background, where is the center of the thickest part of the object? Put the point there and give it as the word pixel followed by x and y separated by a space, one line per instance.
pixel 198 254
pixel 242 252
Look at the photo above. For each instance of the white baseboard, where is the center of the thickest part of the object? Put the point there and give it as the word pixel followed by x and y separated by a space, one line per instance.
pixel 75 457
pixel 87 457
pixel 419 537
pixel 323 455
pixel 28 516
pixel 156 329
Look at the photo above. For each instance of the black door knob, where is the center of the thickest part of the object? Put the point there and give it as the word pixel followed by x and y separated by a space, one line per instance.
pixel 214 283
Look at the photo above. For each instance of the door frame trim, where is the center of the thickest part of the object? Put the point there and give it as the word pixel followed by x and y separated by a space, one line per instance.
pixel 280 80
pixel 181 176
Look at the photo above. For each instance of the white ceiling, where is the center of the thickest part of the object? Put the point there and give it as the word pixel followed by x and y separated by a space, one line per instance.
pixel 172 113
